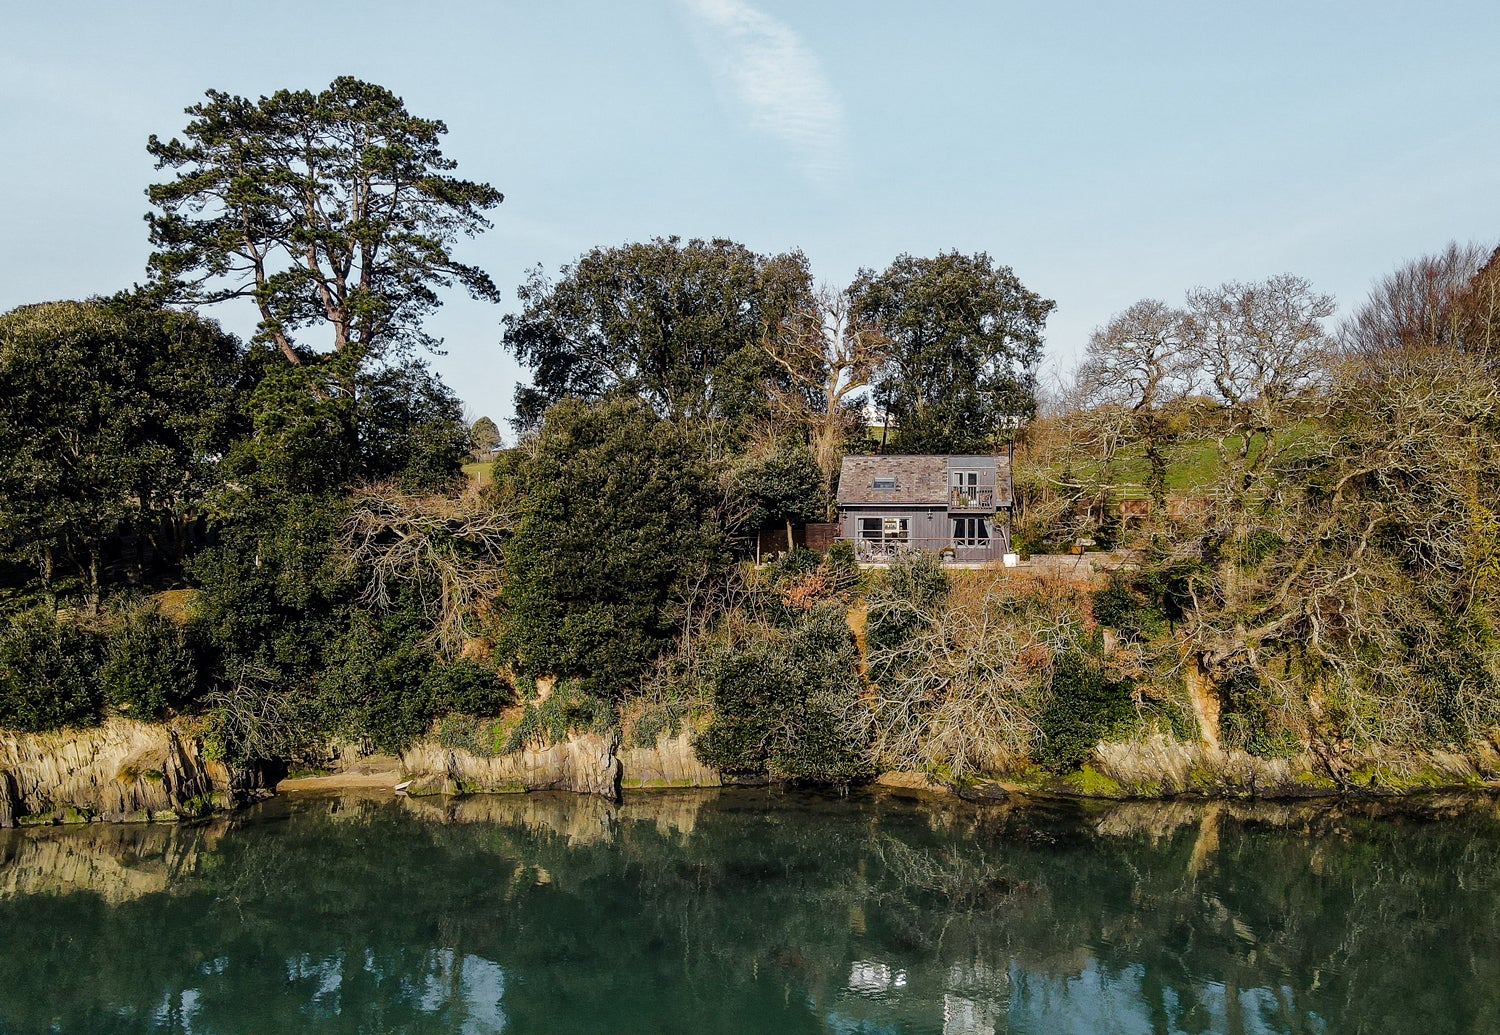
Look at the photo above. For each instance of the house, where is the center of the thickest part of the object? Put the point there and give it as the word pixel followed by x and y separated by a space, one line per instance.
pixel 954 506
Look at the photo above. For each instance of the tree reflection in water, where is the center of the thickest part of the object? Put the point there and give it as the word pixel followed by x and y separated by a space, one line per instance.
pixel 758 910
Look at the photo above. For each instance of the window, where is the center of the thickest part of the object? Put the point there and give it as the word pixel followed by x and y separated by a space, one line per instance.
pixel 884 530
pixel 966 479
pixel 885 483
pixel 971 531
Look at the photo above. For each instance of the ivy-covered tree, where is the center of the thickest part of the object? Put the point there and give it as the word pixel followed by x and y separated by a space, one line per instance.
pixel 964 337
pixel 616 513
pixel 676 325
pixel 333 208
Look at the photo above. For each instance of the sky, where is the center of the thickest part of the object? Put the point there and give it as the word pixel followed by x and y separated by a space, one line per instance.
pixel 1106 152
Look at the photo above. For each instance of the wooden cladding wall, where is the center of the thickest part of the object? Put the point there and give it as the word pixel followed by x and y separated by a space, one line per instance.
pixel 819 537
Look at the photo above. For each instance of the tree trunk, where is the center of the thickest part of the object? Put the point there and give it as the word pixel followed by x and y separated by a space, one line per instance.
pixel 1204 697
pixel 48 593
pixel 93 592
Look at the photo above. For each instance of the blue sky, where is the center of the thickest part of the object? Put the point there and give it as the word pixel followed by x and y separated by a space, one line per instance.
pixel 1107 152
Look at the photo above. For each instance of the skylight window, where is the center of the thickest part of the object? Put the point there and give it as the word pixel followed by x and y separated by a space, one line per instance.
pixel 885 483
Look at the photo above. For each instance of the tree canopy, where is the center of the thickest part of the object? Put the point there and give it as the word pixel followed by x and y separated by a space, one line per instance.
pixel 964 339
pixel 329 208
pixel 484 439
pixel 616 509
pixel 112 414
pixel 676 325
pixel 402 423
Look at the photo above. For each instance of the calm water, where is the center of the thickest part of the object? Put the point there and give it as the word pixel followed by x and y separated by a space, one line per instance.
pixel 756 911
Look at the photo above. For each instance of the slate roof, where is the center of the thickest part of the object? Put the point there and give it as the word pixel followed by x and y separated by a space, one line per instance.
pixel 920 480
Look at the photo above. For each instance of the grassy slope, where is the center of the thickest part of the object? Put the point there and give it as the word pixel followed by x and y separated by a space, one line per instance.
pixel 482 473
pixel 1193 465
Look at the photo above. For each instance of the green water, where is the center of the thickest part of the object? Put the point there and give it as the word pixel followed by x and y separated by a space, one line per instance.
pixel 756 911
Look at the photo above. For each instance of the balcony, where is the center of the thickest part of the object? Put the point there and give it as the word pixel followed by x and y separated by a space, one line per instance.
pixel 972 498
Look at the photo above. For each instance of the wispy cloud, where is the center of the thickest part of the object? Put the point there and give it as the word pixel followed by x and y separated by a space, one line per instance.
pixel 769 70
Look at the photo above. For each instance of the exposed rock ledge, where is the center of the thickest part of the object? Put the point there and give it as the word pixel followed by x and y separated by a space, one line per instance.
pixel 584 763
pixel 122 770
pixel 133 771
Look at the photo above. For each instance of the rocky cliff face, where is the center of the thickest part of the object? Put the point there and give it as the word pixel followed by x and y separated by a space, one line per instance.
pixel 120 771
pixel 584 763
pixel 670 762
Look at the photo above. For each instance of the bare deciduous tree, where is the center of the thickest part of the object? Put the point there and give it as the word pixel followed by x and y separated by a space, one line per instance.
pixel 447 547
pixel 1263 348
pixel 828 357
pixel 963 690
pixel 1358 595
pixel 1135 364
pixel 251 716
pixel 1415 307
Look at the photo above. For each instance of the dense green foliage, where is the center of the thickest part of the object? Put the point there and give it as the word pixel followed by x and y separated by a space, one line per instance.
pixel 484 439
pixel 327 209
pixel 411 428
pixel 616 512
pixel 1084 707
pixel 779 486
pixel 676 325
pixel 779 696
pixel 47 673
pixel 111 414
pixel 150 665
pixel 771 677
pixel 1313 549
pixel 402 425
pixel 965 339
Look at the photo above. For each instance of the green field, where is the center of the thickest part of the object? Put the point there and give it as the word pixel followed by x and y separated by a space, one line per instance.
pixel 483 472
pixel 1193 465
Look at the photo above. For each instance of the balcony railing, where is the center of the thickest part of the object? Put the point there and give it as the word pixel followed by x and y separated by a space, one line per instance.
pixel 880 551
pixel 971 498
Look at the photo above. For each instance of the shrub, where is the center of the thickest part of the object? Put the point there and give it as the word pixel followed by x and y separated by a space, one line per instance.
pixel 475 734
pixel 653 723
pixel 1122 606
pixel 801 579
pixel 149 666
pixel 382 684
pixel 904 599
pixel 1084 707
pixel 464 686
pixel 779 699
pixel 47 673
pixel 572 707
